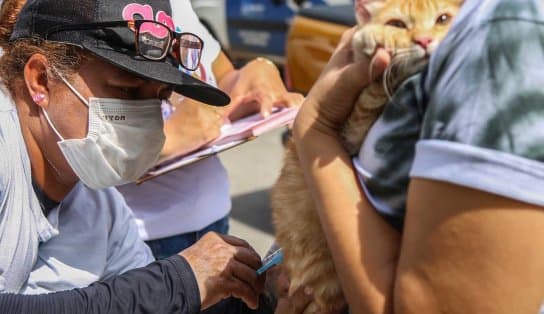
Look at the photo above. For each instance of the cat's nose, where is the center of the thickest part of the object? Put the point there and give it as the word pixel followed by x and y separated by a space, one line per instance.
pixel 424 41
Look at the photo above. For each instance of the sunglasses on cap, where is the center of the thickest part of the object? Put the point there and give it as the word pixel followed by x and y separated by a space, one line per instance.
pixel 153 40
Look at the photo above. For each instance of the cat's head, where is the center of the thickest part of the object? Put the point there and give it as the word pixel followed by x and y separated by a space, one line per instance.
pixel 409 29
pixel 417 24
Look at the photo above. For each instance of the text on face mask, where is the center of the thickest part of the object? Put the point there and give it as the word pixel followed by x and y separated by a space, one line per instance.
pixel 114 118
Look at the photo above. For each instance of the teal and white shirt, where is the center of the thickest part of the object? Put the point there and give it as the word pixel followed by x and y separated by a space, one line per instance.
pixel 474 117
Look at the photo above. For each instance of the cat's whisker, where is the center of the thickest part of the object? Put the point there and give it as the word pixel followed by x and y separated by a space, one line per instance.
pixel 404 49
pixel 371 67
pixel 387 82
pixel 406 52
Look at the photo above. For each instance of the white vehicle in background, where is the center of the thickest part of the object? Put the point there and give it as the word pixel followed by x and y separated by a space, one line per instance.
pixel 249 28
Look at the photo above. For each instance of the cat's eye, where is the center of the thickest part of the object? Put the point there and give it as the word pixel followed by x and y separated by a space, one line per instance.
pixel 396 23
pixel 443 19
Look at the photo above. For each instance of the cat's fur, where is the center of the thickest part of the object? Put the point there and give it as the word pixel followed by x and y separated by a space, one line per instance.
pixel 398 26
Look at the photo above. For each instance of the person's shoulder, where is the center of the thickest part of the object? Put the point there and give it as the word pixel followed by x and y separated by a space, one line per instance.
pixel 484 85
pixel 478 13
pixel 106 208
pixel 183 14
pixel 504 10
pixel 105 198
pixel 483 94
pixel 493 26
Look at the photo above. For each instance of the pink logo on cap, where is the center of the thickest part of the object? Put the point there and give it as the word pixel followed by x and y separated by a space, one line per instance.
pixel 145 11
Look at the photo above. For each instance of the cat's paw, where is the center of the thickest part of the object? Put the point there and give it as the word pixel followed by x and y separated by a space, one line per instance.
pixel 364 43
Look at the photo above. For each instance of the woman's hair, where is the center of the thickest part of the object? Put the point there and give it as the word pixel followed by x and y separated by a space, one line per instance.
pixel 65 58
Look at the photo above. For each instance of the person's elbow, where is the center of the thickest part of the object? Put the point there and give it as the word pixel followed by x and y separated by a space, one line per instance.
pixel 413 295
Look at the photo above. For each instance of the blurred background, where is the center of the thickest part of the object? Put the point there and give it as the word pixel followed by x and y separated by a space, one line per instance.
pixel 298 36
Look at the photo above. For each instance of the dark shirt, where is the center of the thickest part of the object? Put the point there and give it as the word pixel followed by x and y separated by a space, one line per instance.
pixel 46 203
pixel 165 286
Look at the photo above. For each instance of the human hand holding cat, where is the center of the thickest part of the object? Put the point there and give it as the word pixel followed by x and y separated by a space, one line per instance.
pixel 277 282
pixel 332 97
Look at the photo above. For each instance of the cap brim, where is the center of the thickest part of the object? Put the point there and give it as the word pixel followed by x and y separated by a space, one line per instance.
pixel 165 72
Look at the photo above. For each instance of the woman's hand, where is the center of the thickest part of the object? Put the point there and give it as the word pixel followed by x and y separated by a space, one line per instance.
pixel 294 304
pixel 257 87
pixel 277 283
pixel 332 97
pixel 190 125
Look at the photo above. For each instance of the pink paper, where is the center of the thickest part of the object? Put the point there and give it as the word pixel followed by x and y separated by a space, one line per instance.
pixel 232 135
pixel 254 125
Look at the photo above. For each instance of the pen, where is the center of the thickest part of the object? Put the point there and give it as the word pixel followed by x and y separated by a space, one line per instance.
pixel 273 259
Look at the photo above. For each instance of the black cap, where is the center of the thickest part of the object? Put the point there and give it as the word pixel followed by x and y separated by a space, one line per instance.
pixel 115 44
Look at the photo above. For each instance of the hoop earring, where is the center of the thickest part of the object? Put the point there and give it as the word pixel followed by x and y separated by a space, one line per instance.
pixel 38 98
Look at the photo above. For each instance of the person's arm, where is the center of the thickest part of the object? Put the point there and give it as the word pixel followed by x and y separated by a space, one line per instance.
pixel 216 267
pixel 165 286
pixel 468 251
pixel 474 228
pixel 364 247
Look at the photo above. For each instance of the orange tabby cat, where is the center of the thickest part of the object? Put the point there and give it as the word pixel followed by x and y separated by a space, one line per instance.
pixel 409 30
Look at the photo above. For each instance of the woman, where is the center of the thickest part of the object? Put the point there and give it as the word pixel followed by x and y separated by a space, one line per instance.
pixel 86 80
pixel 176 209
pixel 456 159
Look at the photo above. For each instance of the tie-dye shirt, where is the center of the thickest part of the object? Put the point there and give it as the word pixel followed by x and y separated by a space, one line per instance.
pixel 474 117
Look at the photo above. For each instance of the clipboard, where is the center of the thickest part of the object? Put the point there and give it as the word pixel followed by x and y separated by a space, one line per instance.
pixel 232 135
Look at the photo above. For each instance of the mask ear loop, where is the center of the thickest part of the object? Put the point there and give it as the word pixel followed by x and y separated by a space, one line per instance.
pixel 71 88
pixel 74 91
pixel 51 124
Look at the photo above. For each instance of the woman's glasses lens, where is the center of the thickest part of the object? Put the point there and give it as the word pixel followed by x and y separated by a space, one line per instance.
pixel 190 48
pixel 153 40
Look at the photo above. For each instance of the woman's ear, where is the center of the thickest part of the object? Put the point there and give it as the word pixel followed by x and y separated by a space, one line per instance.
pixel 36 79
pixel 365 9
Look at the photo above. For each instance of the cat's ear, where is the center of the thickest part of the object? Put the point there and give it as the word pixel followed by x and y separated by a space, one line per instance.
pixel 364 9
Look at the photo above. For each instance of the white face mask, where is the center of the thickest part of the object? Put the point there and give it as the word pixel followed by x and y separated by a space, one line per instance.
pixel 124 139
